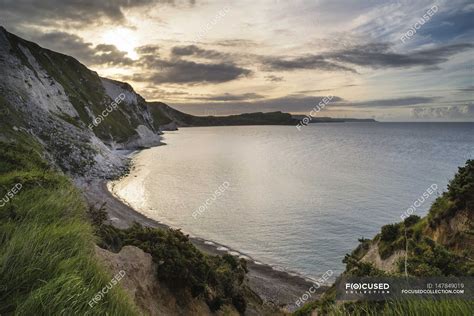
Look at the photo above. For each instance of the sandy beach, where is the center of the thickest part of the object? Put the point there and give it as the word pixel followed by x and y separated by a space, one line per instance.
pixel 274 287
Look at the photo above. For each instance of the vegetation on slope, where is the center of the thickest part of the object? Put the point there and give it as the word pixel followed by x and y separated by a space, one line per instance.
pixel 47 262
pixel 425 257
pixel 83 88
pixel 182 267
pixel 165 114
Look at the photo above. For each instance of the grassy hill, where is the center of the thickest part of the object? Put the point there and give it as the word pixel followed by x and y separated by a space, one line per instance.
pixel 165 114
pixel 47 264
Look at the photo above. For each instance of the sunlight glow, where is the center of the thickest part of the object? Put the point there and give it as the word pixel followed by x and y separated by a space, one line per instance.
pixel 123 38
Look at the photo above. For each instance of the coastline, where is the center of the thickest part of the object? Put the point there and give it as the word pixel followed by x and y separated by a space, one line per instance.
pixel 275 287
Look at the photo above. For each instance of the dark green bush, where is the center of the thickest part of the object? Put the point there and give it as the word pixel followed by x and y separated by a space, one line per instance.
pixel 411 220
pixel 180 265
pixel 389 232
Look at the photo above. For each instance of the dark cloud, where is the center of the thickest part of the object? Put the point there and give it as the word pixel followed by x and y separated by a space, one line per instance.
pixel 322 90
pixel 380 56
pixel 273 78
pixel 154 92
pixel 148 50
pixel 65 43
pixel 181 71
pixel 193 50
pixel 236 43
pixel 76 12
pixel 110 55
pixel 102 54
pixel 467 89
pixel 178 71
pixel 305 62
pixel 232 97
pixel 397 102
pixel 375 55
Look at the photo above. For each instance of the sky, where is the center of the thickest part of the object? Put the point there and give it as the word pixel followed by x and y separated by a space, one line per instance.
pixel 388 60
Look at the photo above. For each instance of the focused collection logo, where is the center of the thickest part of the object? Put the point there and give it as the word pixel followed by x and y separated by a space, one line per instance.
pixel 367 288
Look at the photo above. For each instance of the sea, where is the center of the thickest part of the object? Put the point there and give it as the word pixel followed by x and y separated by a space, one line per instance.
pixel 297 200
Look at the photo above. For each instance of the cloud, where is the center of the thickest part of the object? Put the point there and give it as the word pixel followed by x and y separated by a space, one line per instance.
pixel 232 97
pixel 102 54
pixel 273 78
pixel 148 50
pixel 110 55
pixel 374 55
pixel 304 62
pixel 455 112
pixel 467 89
pixel 380 56
pixel 84 12
pixel 323 90
pixel 236 43
pixel 193 50
pixel 396 102
pixel 190 72
pixel 175 70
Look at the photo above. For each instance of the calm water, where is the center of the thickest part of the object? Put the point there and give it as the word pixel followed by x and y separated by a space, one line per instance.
pixel 296 200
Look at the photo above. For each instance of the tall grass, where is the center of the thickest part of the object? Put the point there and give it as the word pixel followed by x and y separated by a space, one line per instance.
pixel 405 308
pixel 47 261
pixel 390 308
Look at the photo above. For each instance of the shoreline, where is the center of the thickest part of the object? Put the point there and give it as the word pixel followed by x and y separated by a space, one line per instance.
pixel 275 287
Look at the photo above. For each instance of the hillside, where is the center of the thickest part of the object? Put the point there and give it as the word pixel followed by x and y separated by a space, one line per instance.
pixel 160 110
pixel 439 244
pixel 61 126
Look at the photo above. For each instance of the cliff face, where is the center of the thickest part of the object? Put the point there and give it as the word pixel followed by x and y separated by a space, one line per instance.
pixel 149 294
pixel 456 232
pixel 79 117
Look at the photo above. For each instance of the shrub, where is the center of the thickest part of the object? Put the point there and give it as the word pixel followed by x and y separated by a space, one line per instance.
pixel 389 232
pixel 180 265
pixel 411 220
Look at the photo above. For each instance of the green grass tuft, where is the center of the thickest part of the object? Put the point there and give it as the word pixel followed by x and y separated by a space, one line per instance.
pixel 47 260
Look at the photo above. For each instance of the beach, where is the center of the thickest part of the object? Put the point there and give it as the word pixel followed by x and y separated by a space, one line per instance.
pixel 274 287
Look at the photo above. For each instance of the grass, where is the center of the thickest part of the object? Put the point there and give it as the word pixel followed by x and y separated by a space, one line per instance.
pixel 47 261
pixel 394 308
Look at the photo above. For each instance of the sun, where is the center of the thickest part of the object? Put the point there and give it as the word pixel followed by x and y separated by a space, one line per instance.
pixel 123 38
